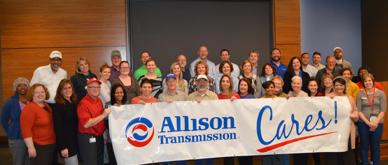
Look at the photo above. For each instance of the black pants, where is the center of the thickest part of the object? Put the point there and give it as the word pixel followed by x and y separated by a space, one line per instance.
pixel 302 159
pixel 91 153
pixel 340 158
pixel 229 161
pixel 44 154
pixel 111 154
pixel 245 160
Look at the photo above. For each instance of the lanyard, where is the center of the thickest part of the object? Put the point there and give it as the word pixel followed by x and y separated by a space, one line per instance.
pixel 371 100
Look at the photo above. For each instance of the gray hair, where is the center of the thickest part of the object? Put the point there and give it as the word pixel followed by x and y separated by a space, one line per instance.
pixel 296 78
pixel 20 80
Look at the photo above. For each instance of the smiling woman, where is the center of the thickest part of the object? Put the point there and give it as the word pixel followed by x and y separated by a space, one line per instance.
pixel 81 75
pixel 10 120
pixel 65 122
pixel 37 126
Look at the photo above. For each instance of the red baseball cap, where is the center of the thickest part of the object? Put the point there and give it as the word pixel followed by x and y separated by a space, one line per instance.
pixel 92 80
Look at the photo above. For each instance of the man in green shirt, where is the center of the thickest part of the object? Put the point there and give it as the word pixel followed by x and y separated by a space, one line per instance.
pixel 144 56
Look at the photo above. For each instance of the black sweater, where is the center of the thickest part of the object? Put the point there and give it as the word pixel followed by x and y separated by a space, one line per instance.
pixel 287 81
pixel 79 83
pixel 66 126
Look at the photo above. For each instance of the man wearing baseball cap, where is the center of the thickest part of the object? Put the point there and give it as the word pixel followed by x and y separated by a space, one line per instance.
pixel 171 93
pixel 50 75
pixel 203 92
pixel 91 115
pixel 341 62
pixel 116 59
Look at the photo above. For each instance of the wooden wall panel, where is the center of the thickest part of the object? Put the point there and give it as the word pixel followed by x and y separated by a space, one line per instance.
pixel 31 29
pixel 286 18
pixel 57 23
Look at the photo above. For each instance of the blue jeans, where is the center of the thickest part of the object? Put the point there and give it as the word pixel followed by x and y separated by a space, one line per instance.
pixel 204 161
pixel 372 139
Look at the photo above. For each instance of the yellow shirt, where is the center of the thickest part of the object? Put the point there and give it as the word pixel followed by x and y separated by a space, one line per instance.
pixel 352 89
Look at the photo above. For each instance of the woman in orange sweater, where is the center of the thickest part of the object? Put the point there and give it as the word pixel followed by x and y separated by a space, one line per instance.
pixel 37 126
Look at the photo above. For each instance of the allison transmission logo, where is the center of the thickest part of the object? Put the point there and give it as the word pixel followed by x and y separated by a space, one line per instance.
pixel 139 131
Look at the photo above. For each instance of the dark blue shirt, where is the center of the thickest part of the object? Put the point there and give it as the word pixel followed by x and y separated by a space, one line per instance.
pixel 280 70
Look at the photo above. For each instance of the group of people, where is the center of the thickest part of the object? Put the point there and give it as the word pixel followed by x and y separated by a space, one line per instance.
pixel 52 115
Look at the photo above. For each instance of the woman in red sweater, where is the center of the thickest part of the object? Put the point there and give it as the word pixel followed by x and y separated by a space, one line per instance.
pixel 37 126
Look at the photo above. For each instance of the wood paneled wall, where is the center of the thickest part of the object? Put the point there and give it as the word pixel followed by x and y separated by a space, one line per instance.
pixel 31 29
pixel 286 23
pixel 29 32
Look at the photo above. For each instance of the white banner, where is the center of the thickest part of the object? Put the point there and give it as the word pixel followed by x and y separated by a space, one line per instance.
pixel 185 130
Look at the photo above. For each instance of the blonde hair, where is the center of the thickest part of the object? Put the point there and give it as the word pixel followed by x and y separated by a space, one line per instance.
pixel 201 63
pixel 278 78
pixel 181 82
pixel 79 61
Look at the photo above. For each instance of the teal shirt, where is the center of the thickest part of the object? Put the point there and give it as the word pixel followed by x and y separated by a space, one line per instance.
pixel 143 70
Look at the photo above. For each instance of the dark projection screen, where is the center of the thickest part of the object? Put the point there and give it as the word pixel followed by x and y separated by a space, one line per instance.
pixel 167 28
pixel 374 38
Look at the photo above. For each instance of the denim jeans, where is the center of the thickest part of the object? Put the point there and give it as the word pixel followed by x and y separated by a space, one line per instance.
pixel 372 139
pixel 18 151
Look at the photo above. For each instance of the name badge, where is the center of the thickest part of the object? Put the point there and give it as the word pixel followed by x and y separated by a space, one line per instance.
pixel 373 118
pixel 92 140
pixel 363 98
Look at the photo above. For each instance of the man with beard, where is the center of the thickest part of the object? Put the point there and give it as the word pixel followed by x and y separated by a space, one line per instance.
pixel 203 92
pixel 50 75
pixel 275 61
pixel 341 62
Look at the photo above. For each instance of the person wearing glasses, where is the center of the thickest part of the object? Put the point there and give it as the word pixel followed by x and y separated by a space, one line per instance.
pixel 125 79
pixel 91 126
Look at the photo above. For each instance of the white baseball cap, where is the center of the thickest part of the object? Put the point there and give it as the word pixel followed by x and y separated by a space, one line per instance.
pixel 55 54
pixel 337 48
pixel 202 77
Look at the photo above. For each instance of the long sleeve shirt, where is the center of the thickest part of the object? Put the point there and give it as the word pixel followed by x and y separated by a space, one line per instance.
pixel 66 126
pixel 10 118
